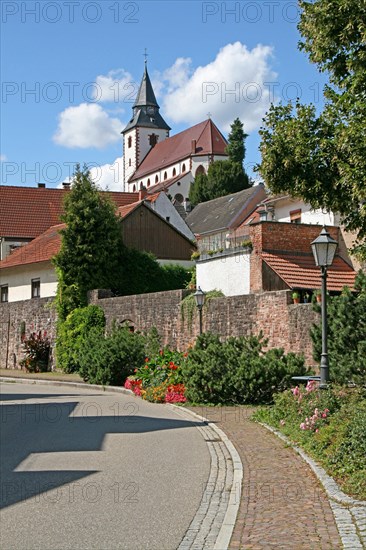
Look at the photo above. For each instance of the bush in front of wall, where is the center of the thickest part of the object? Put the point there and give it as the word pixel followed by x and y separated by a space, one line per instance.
pixel 36 352
pixel 237 370
pixel 71 335
pixel 109 360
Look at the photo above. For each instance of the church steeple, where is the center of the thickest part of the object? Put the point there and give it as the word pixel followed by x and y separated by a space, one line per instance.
pixel 146 109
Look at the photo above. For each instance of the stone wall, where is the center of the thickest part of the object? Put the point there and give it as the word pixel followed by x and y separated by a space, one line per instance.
pixel 28 315
pixel 284 324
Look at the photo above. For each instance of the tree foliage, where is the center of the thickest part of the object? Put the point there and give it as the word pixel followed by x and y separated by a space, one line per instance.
pixel 236 142
pixel 346 335
pixel 91 243
pixel 223 177
pixel 322 158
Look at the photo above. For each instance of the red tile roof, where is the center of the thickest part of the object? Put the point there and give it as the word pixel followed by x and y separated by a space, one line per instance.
pixel 209 141
pixel 28 211
pixel 41 249
pixel 300 271
pixel 123 211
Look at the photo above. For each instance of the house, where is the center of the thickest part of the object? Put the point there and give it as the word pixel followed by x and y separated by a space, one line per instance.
pixel 284 208
pixel 215 222
pixel 26 212
pixel 156 161
pixel 274 256
pixel 28 273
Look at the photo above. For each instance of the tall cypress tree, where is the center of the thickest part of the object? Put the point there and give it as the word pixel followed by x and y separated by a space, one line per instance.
pixel 236 142
pixel 91 243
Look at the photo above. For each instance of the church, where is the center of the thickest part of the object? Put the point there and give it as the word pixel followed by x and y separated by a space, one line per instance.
pixel 157 162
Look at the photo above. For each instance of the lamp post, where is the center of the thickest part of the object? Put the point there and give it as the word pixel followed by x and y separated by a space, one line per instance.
pixel 324 248
pixel 200 296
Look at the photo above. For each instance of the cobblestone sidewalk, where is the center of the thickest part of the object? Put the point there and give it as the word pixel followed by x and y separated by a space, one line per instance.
pixel 283 505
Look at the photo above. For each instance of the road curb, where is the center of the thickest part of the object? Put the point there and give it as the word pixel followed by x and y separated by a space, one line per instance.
pixel 228 523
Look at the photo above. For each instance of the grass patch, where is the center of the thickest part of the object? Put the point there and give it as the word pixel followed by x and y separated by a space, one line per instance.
pixel 330 425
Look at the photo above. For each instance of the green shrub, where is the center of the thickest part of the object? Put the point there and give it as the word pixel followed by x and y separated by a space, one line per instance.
pixel 237 371
pixel 109 360
pixel 330 424
pixel 152 342
pixel 71 335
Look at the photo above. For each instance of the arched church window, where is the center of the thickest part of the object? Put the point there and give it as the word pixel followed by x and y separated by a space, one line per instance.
pixel 183 168
pixel 129 162
pixel 174 172
pixel 148 182
pixel 200 170
pixel 165 175
pixel 129 141
pixel 153 139
pixel 141 185
pixel 134 189
pixel 156 179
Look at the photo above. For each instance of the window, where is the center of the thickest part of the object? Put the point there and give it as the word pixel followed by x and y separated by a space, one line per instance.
pixel 183 168
pixel 129 141
pixel 200 170
pixel 4 293
pixel 148 182
pixel 129 162
pixel 36 288
pixel 134 189
pixel 174 172
pixel 165 175
pixel 153 139
pixel 295 216
pixel 156 179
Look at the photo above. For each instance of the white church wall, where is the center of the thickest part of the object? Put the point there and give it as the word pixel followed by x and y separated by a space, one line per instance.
pixel 228 273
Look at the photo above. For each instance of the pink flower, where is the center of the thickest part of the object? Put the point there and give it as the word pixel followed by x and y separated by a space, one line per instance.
pixel 302 426
pixel 282 422
pixel 324 415
pixel 316 431
pixel 295 391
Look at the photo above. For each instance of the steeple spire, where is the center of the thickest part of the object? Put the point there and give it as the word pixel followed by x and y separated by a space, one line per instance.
pixel 145 94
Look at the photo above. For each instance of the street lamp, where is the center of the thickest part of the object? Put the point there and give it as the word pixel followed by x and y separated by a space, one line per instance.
pixel 324 248
pixel 200 296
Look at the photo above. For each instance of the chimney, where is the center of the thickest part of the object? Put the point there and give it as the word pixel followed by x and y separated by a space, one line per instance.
pixel 66 184
pixel 41 185
pixel 142 193
pixel 193 146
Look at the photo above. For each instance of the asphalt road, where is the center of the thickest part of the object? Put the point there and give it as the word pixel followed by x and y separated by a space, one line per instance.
pixel 85 469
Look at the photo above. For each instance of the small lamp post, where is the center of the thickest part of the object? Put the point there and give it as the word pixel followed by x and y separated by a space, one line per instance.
pixel 200 296
pixel 324 248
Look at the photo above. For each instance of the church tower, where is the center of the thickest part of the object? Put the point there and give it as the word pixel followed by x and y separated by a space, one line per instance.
pixel 145 129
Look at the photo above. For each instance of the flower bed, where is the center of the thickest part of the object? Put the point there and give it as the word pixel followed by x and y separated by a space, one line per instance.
pixel 159 380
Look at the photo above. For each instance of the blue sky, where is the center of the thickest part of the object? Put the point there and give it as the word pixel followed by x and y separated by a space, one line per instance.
pixel 70 70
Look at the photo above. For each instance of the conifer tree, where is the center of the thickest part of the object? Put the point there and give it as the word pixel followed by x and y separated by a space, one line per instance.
pixel 236 142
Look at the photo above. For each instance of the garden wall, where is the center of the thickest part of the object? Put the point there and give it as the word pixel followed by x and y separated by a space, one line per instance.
pixel 28 315
pixel 283 323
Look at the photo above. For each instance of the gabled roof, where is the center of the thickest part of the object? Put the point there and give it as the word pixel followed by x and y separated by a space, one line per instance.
pixel 41 249
pixel 225 212
pixel 300 271
pixel 209 141
pixel 26 212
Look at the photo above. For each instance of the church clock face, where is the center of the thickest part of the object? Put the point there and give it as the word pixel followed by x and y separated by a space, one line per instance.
pixel 150 110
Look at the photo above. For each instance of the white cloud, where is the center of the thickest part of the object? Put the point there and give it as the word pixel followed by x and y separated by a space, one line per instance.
pixel 109 176
pixel 233 85
pixel 87 125
pixel 117 86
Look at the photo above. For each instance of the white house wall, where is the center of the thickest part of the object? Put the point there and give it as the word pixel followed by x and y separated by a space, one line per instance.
pixel 19 280
pixel 308 215
pixel 230 274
